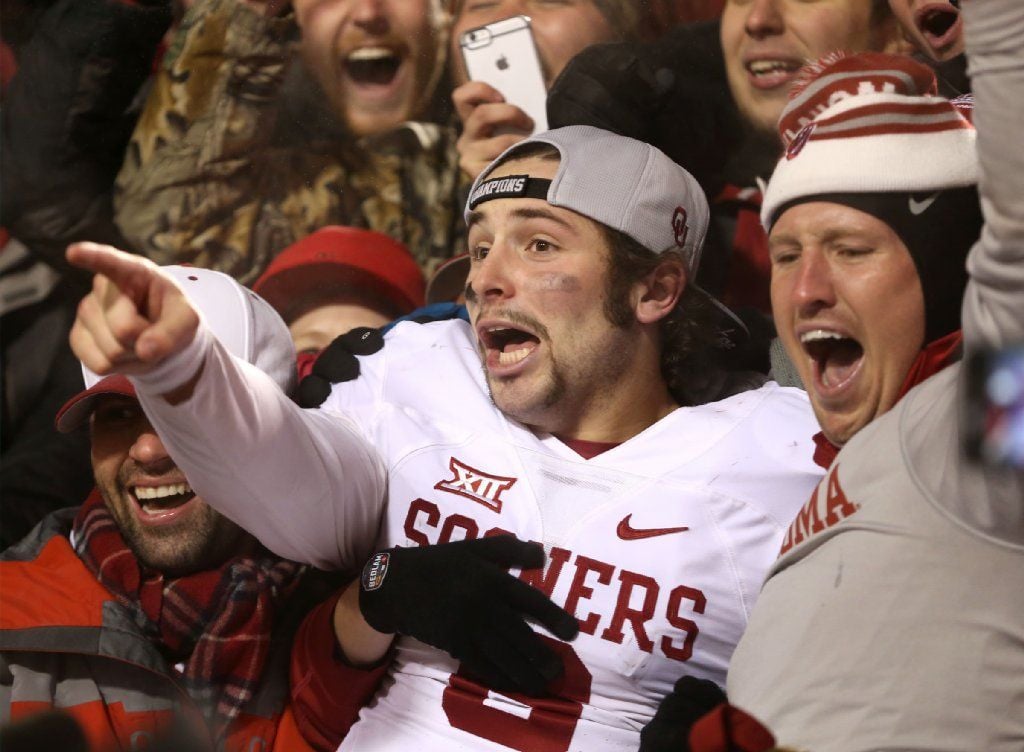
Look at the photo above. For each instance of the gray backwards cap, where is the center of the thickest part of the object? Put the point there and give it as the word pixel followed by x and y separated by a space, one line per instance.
pixel 618 181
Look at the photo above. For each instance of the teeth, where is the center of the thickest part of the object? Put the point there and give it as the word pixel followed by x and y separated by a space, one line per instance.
pixel 820 334
pixel 160 492
pixel 371 53
pixel 762 67
pixel 508 358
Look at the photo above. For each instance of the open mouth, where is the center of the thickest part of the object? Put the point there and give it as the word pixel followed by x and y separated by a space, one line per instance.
pixel 373 66
pixel 836 358
pixel 162 502
pixel 769 73
pixel 939 24
pixel 507 346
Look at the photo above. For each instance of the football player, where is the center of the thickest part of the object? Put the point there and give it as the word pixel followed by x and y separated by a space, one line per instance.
pixel 572 411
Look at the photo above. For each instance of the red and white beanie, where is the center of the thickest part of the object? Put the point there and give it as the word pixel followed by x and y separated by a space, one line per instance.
pixel 869 123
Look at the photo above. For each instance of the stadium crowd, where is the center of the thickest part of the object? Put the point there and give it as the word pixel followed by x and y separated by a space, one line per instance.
pixel 688 419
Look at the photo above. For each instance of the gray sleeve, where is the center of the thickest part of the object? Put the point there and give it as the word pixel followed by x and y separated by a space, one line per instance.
pixel 993 309
pixel 984 498
pixel 306 483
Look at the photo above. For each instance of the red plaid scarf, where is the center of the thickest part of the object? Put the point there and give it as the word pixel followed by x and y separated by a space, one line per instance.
pixel 218 621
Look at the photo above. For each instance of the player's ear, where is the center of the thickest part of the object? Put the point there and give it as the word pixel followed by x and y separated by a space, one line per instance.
pixel 658 291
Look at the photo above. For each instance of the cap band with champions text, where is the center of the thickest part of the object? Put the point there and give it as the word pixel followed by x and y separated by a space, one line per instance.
pixel 618 181
pixel 510 186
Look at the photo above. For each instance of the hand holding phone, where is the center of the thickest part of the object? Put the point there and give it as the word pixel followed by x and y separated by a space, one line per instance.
pixel 504 56
pixel 489 125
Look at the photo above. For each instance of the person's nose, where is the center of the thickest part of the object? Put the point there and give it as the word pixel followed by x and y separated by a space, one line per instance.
pixel 371 15
pixel 491 278
pixel 148 449
pixel 814 287
pixel 764 19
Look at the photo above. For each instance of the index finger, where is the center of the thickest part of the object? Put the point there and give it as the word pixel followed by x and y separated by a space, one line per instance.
pixel 130 273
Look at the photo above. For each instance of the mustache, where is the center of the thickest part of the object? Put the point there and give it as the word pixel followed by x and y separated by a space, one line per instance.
pixel 522 320
pixel 133 471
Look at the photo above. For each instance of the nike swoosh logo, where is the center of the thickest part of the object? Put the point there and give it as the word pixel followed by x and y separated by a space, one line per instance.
pixel 920 207
pixel 627 532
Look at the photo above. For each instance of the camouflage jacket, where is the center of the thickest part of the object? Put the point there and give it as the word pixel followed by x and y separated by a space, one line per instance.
pixel 234 158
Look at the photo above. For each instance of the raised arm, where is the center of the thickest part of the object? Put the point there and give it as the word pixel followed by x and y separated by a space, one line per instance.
pixel 305 483
pixel 993 312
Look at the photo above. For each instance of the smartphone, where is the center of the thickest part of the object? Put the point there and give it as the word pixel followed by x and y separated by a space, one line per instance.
pixel 504 55
pixel 992 420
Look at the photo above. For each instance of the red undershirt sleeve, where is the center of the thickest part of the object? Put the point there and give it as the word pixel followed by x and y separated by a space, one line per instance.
pixel 327 692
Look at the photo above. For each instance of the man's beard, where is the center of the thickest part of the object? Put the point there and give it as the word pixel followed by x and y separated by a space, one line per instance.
pixel 550 396
pixel 202 540
pixel 606 369
pixel 556 389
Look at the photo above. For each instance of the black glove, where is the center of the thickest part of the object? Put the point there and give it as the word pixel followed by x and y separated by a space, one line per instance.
pixel 669 730
pixel 338 361
pixel 459 597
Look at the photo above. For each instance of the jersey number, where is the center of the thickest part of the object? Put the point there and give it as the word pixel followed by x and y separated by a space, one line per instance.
pixel 546 724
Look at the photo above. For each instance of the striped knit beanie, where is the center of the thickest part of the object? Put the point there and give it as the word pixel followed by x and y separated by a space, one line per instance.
pixel 869 131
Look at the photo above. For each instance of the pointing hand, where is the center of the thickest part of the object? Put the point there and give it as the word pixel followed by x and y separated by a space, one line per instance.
pixel 135 316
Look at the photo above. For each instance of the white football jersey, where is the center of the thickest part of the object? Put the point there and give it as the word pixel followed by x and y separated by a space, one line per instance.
pixel 658 546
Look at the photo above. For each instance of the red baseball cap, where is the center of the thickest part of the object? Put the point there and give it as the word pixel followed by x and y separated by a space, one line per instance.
pixel 78 409
pixel 365 260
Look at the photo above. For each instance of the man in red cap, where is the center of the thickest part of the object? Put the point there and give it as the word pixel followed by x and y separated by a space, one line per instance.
pixel 144 605
pixel 338 279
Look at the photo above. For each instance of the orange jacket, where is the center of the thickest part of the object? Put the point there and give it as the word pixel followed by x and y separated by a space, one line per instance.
pixel 67 644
